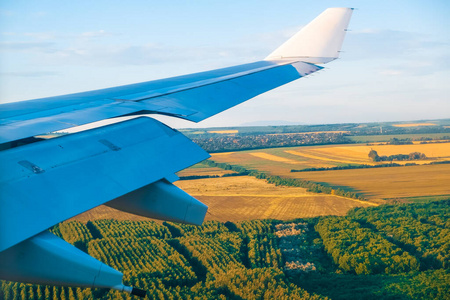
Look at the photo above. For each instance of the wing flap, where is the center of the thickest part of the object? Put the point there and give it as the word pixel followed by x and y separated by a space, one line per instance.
pixel 45 183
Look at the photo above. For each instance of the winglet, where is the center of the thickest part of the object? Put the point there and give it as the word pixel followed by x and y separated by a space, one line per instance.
pixel 318 42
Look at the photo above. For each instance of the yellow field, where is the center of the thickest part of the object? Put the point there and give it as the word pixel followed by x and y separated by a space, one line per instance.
pixel 322 158
pixel 246 198
pixel 223 131
pixel 105 212
pixel 382 183
pixel 280 161
pixel 373 183
pixel 311 132
pixel 414 124
pixel 271 157
pixel 204 171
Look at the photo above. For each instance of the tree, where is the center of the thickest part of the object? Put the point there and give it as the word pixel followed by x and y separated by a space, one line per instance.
pixel 374 155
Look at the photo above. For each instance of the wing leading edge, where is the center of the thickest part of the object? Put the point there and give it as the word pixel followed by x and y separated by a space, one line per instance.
pixel 128 165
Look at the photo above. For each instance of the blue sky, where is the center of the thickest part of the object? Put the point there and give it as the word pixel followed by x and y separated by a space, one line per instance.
pixel 395 65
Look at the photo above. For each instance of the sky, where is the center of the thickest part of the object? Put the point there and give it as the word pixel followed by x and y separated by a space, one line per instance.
pixel 395 64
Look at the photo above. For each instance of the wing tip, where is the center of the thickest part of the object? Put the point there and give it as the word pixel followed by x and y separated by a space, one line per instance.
pixel 320 41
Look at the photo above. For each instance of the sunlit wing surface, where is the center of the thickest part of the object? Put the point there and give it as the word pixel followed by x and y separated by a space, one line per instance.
pixel 192 97
pixel 128 165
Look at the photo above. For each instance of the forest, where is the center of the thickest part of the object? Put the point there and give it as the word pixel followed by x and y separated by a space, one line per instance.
pixel 386 252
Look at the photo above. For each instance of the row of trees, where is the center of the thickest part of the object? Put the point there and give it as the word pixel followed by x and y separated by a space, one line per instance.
pixel 356 166
pixel 362 251
pixel 420 228
pixel 210 228
pixel 398 157
pixel 151 256
pixel 114 228
pixel 250 259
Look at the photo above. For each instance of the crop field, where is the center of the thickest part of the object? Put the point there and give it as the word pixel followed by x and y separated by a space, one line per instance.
pixel 279 161
pixel 106 212
pixel 203 170
pixel 247 198
pixel 382 183
pixel 414 124
pixel 244 198
pixel 224 131
pixel 272 157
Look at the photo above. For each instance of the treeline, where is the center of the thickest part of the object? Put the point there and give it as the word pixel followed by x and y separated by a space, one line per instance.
pixel 399 157
pixel 396 141
pixel 422 229
pixel 348 167
pixel 364 166
pixel 362 251
pixel 261 243
pixel 224 143
pixel 406 245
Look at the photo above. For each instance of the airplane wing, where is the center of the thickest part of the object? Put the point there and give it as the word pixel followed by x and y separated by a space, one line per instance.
pixel 128 165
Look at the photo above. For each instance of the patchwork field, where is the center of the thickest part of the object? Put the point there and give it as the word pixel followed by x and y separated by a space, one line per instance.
pixel 378 183
pixel 280 161
pixel 247 198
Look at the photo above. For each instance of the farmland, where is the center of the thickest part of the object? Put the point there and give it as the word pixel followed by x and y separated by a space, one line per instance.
pixel 281 160
pixel 421 179
pixel 382 183
pixel 202 170
pixel 247 198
